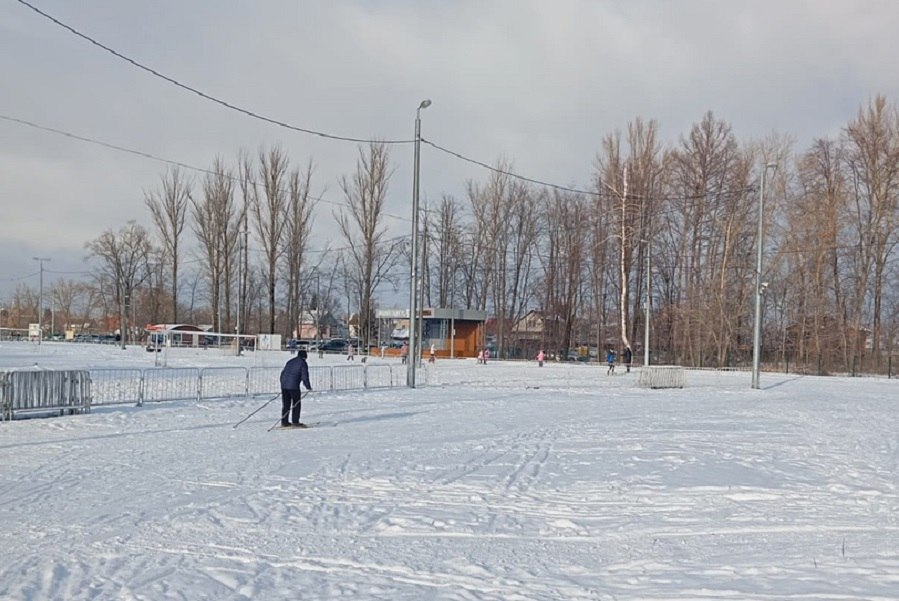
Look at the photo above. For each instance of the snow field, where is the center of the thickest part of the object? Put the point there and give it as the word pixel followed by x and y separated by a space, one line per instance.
pixel 503 482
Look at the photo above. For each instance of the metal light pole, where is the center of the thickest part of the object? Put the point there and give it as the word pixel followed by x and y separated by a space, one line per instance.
pixel 757 328
pixel 318 313
pixel 412 357
pixel 648 302
pixel 40 301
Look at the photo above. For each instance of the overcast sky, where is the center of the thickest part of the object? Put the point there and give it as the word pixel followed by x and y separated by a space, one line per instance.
pixel 537 83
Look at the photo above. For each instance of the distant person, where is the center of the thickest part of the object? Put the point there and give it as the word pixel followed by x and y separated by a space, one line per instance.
pixel 480 356
pixel 628 357
pixel 350 353
pixel 486 355
pixel 540 358
pixel 610 359
pixel 295 372
pixel 433 357
pixel 404 352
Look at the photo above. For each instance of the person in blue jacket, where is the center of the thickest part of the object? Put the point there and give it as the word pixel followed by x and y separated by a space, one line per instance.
pixel 295 372
pixel 610 358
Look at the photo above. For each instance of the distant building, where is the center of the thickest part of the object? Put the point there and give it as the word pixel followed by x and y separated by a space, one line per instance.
pixel 453 332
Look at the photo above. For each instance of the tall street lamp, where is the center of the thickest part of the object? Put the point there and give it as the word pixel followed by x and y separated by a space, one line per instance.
pixel 759 286
pixel 40 301
pixel 412 357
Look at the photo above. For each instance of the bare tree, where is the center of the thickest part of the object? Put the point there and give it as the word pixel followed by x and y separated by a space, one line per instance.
pixel 168 207
pixel 873 163
pixel 630 187
pixel 447 248
pixel 566 225
pixel 369 256
pixel 268 210
pixel 299 219
pixel 65 295
pixel 711 225
pixel 124 257
pixel 213 216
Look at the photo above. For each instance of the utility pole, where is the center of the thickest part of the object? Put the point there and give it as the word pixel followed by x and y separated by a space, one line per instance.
pixel 40 300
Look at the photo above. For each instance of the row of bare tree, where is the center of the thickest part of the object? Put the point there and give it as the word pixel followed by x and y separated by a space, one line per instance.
pixel 671 225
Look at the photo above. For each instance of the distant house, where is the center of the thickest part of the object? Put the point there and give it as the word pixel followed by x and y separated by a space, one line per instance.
pixel 531 327
pixel 314 325
pixel 529 334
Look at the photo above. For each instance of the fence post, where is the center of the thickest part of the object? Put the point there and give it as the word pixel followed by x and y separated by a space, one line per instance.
pixel 140 390
pixel 246 382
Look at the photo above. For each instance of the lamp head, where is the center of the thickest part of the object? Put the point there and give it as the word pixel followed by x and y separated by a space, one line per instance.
pixel 424 104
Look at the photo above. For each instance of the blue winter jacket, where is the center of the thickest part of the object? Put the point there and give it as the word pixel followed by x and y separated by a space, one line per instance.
pixel 295 371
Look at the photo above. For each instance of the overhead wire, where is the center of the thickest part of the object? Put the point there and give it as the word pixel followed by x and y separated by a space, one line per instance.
pixel 172 162
pixel 255 115
pixel 200 93
pixel 280 123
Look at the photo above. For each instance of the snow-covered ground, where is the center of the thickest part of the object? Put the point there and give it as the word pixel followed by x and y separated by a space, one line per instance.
pixel 503 481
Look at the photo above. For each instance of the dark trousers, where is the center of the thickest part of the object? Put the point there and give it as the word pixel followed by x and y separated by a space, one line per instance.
pixel 290 406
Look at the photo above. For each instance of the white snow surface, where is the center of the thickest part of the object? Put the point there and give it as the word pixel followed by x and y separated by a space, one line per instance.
pixel 505 481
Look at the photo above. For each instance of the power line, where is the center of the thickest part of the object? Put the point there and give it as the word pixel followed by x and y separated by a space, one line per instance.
pixel 579 191
pixel 200 93
pixel 147 155
pixel 462 157
pixel 279 123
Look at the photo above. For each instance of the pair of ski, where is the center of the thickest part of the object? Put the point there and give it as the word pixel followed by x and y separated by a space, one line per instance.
pixel 277 425
pixel 299 426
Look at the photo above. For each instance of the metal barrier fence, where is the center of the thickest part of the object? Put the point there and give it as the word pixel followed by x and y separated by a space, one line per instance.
pixel 44 392
pixel 381 376
pixel 60 390
pixel 170 384
pixel 111 386
pixel 216 382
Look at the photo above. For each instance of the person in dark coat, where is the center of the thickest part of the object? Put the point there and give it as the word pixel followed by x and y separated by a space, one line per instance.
pixel 628 358
pixel 295 372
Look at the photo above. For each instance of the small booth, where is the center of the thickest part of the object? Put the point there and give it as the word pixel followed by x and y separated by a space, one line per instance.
pixel 453 332
pixel 172 334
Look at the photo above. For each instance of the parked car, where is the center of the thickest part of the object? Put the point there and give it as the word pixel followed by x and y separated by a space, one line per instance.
pixel 335 345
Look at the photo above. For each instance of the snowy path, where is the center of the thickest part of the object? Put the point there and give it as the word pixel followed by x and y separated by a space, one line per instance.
pixel 583 488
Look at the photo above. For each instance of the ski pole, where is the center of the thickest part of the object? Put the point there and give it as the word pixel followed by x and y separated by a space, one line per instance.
pixel 257 411
pixel 286 413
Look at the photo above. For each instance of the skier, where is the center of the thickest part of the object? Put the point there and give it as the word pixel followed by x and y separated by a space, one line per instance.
pixel 610 358
pixel 480 357
pixel 486 355
pixel 628 357
pixel 433 356
pixel 404 352
pixel 540 358
pixel 295 372
pixel 350 353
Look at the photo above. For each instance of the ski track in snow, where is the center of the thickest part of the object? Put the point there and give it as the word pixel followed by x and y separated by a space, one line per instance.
pixel 583 488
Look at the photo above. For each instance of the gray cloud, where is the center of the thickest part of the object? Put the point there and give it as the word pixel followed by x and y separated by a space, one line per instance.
pixel 538 83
